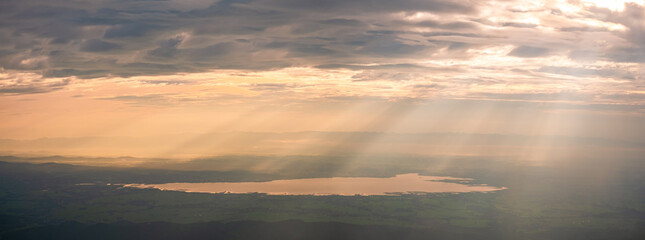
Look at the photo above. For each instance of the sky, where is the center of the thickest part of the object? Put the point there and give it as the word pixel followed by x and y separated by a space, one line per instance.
pixel 157 77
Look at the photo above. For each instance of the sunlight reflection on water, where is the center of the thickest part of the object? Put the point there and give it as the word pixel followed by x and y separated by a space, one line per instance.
pixel 410 183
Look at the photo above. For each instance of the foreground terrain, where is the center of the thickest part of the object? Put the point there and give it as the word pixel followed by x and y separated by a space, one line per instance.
pixel 75 202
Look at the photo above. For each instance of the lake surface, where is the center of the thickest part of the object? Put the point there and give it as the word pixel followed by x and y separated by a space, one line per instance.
pixel 411 183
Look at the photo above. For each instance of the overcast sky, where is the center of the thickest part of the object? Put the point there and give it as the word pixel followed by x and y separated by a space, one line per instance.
pixel 75 68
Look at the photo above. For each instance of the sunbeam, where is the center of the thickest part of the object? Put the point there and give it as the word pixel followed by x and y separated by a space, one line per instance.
pixel 309 119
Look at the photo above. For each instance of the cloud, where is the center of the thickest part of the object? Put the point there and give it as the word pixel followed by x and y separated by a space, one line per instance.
pixel 529 52
pixel 633 18
pixel 97 45
pixel 377 6
pixel 167 47
pixel 588 72
pixel 262 34
pixel 554 96
pixel 127 30
pixel 627 55
pixel 74 72
pixel 519 25
pixel 387 46
pixel 463 45
pixel 344 22
pixel 143 100
pixel 272 87
pixel 166 82
pixel 456 25
pixel 373 67
pixel 32 87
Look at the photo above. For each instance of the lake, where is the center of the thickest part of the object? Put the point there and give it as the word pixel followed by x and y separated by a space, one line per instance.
pixel 410 183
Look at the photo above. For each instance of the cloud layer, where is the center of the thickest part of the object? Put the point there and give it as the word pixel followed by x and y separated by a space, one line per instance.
pixel 119 58
pixel 89 39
